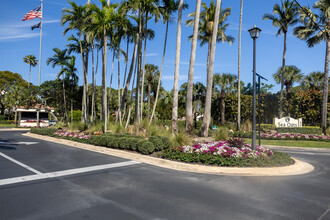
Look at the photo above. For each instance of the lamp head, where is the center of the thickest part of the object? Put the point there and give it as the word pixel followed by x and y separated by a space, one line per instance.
pixel 254 32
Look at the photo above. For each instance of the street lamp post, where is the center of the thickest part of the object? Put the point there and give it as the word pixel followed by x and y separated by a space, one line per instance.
pixel 254 32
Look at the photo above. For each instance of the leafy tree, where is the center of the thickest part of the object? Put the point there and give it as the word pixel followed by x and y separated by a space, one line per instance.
pixel 313 81
pixel 284 16
pixel 9 80
pixel 225 83
pixel 290 75
pixel 32 61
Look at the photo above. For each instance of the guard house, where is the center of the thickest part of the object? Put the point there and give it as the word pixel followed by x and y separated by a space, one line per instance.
pixel 27 117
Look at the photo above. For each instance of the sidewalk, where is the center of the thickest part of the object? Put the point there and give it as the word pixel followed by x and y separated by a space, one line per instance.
pixel 298 168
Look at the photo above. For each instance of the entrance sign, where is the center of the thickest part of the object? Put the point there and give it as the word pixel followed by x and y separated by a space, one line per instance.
pixel 288 122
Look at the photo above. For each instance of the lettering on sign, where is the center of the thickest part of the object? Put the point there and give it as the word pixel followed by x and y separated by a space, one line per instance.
pixel 288 122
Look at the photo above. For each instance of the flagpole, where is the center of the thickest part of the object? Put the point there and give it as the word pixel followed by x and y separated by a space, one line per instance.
pixel 38 106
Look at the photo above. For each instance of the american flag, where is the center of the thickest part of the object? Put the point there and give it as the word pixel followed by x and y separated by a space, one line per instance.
pixel 35 13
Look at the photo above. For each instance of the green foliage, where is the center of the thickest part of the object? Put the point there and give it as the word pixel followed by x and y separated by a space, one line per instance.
pixel 76 115
pixel 267 126
pixel 236 142
pixel 302 130
pixel 60 125
pixel 166 142
pixel 43 131
pixel 97 127
pixel 181 139
pixel 146 147
pixel 247 125
pixel 157 142
pixel 278 159
pixel 77 126
pixel 221 134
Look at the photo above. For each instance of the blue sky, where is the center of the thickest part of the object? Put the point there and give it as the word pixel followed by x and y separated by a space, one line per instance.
pixel 17 40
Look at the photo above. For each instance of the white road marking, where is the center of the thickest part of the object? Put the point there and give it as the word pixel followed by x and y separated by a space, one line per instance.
pixel 19 163
pixel 50 175
pixel 15 143
pixel 321 217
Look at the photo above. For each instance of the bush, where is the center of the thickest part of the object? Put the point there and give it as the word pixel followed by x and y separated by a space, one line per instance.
pixel 98 140
pixel 302 130
pixel 112 142
pixel 236 142
pixel 97 127
pixel 146 147
pixel 181 139
pixel 221 134
pixel 43 131
pixel 76 115
pixel 77 125
pixel 278 159
pixel 166 142
pixel 157 142
pixel 267 126
pixel 247 125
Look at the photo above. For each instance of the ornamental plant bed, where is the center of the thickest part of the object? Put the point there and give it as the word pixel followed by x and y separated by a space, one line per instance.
pixel 285 136
pixel 223 153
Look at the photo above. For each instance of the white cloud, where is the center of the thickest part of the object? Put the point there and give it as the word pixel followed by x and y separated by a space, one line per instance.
pixel 20 31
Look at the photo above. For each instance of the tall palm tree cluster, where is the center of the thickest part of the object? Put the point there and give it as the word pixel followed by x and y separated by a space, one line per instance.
pixel 105 26
pixel 314 28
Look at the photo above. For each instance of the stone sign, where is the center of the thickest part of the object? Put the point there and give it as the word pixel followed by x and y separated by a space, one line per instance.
pixel 288 122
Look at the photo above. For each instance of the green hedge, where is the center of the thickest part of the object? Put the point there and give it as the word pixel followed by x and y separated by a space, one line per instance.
pixel 267 126
pixel 302 130
pixel 278 159
pixel 44 131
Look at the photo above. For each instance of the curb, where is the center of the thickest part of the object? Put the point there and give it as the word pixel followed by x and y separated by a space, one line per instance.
pixel 15 129
pixel 297 148
pixel 298 168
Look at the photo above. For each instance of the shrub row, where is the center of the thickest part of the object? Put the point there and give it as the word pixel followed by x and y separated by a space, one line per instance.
pixel 120 141
pixel 302 130
pixel 278 159
pixel 43 131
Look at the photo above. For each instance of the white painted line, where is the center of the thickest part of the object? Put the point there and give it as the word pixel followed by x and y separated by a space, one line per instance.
pixel 16 143
pixel 64 173
pixel 19 163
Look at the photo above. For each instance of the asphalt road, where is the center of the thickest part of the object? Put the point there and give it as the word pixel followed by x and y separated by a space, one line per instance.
pixel 59 182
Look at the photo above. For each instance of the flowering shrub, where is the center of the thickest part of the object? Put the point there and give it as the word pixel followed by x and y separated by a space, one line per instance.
pixel 71 135
pixel 222 149
pixel 310 137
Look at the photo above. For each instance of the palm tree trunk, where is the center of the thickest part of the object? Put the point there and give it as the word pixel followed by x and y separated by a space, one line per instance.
pixel 104 82
pixel 189 105
pixel 64 99
pixel 29 77
pixel 118 112
pixel 282 78
pixel 207 111
pixel 86 82
pixel 160 75
pixel 113 60
pixel 126 63
pixel 144 61
pixel 83 104
pixel 223 96
pixel 123 99
pixel 138 77
pixel 131 97
pixel 149 91
pixel 93 86
pixel 325 89
pixel 176 73
pixel 239 69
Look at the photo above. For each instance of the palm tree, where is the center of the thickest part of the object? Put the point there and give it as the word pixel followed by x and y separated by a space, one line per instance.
pixel 212 29
pixel 76 17
pixel 59 59
pixel 315 29
pixel 189 103
pixel 176 72
pixel 239 69
pixel 291 75
pixel 102 22
pixel 168 8
pixel 283 16
pixel 151 73
pixel 313 81
pixel 69 70
pixel 225 83
pixel 31 60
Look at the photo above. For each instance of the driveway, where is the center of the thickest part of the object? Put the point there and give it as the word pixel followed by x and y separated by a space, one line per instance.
pixel 70 183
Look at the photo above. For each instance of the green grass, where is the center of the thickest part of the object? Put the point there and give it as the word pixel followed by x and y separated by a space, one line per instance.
pixel 293 143
pixel 7 125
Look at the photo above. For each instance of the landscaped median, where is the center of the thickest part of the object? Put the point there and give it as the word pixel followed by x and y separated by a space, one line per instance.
pixel 278 163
